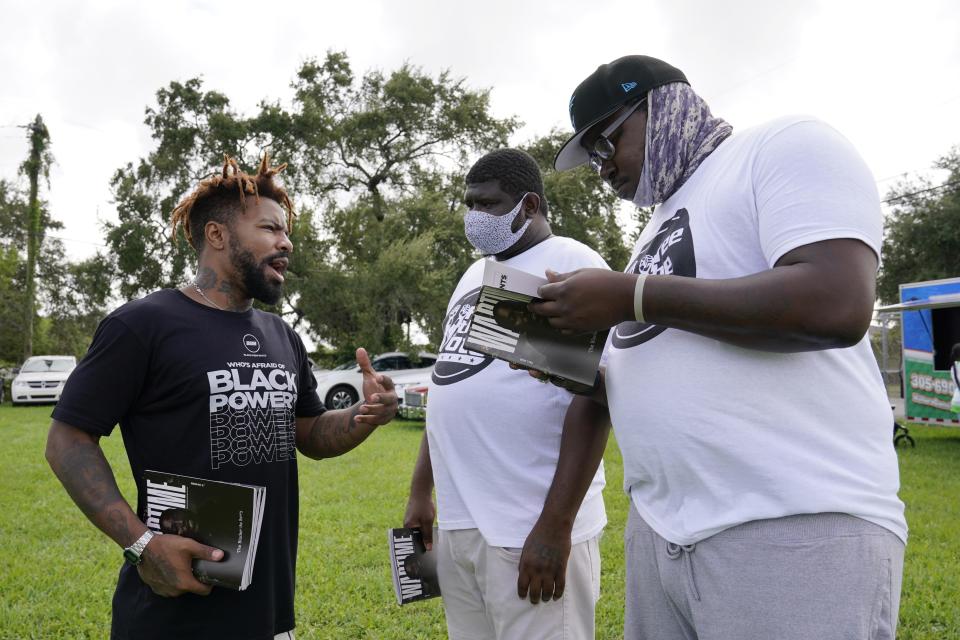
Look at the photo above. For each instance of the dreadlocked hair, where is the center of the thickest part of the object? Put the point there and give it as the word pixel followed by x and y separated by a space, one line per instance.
pixel 516 170
pixel 216 197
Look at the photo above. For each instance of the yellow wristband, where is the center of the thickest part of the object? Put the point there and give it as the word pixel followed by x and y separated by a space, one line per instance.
pixel 638 297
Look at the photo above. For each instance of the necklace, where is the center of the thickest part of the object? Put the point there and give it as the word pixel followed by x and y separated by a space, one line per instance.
pixel 204 296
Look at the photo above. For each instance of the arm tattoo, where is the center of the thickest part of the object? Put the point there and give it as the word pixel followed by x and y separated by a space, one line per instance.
pixel 333 432
pixel 117 525
pixel 86 475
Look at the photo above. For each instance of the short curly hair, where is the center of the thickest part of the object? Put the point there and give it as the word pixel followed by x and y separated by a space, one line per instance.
pixel 223 194
pixel 516 170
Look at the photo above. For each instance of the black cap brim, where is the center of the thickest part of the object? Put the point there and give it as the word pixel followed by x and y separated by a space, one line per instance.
pixel 572 154
pixel 603 92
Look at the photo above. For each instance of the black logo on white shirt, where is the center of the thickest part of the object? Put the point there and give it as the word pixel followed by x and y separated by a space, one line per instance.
pixel 455 362
pixel 670 252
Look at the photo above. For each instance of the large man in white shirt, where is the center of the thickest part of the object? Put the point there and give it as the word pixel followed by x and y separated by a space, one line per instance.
pixel 492 441
pixel 744 395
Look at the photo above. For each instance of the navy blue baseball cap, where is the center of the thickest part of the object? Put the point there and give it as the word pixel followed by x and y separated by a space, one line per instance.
pixel 612 85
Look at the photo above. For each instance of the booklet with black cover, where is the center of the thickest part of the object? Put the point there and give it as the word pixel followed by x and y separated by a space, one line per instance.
pixel 504 328
pixel 414 568
pixel 224 515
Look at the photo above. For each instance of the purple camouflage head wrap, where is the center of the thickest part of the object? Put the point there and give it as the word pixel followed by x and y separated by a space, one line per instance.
pixel 681 133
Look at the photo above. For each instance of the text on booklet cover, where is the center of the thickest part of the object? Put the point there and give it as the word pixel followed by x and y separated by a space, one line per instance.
pixel 502 326
pixel 224 515
pixel 414 568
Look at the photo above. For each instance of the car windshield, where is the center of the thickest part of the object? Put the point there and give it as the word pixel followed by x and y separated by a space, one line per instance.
pixel 41 366
pixel 345 366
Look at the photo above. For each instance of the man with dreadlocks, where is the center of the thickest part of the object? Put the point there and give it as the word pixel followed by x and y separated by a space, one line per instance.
pixel 204 385
pixel 744 395
pixel 492 441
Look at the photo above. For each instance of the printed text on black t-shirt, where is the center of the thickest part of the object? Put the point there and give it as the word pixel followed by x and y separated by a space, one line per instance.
pixel 252 414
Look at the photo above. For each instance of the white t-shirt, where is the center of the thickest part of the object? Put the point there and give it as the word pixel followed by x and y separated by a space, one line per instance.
pixel 494 432
pixel 715 435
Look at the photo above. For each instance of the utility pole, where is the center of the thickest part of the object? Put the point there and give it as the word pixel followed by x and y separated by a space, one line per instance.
pixel 36 163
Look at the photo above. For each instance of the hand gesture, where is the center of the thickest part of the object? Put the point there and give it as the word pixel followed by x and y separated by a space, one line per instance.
pixel 586 299
pixel 379 397
pixel 543 563
pixel 167 566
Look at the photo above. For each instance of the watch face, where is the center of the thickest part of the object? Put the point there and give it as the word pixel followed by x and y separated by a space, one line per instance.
pixel 132 557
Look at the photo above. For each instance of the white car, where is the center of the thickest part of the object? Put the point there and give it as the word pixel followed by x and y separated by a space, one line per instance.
pixel 339 388
pixel 41 379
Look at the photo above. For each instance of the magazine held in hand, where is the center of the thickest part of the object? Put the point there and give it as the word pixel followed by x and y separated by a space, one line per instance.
pixel 224 515
pixel 414 568
pixel 504 328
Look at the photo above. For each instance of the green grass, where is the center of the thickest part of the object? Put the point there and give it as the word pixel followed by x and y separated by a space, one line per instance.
pixel 57 573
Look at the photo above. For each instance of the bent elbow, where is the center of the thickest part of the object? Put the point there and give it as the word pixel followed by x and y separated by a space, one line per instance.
pixel 847 328
pixel 848 339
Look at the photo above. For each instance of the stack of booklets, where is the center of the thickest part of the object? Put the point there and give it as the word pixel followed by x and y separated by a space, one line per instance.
pixel 414 568
pixel 224 515
pixel 502 326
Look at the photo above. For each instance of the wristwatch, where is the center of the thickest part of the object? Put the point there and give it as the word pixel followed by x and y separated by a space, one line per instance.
pixel 134 553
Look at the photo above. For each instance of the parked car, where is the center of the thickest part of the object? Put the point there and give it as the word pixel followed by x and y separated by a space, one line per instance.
pixel 340 387
pixel 41 379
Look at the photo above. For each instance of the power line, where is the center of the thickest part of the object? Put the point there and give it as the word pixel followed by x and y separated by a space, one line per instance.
pixel 96 244
pixel 902 174
pixel 916 193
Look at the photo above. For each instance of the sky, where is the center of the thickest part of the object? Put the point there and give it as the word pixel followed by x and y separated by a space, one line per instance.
pixel 885 74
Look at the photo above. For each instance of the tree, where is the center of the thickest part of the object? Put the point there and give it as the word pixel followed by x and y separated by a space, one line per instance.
pixel 37 164
pixel 371 168
pixel 389 273
pixel 376 168
pixel 580 205
pixel 11 306
pixel 70 297
pixel 922 232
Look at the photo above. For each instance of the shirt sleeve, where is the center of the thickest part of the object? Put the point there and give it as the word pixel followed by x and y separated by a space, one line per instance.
pixel 811 185
pixel 308 402
pixel 107 382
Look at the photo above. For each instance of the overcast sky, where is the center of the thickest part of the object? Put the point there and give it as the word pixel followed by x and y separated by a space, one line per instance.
pixel 886 74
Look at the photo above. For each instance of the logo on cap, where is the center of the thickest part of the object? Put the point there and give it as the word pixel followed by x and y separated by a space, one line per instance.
pixel 628 86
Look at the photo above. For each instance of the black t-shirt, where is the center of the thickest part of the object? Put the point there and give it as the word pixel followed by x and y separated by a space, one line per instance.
pixel 207 393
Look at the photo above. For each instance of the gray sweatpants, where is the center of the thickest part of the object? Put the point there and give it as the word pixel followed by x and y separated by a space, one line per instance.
pixel 827 576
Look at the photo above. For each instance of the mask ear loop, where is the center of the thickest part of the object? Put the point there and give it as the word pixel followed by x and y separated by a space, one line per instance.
pixel 514 226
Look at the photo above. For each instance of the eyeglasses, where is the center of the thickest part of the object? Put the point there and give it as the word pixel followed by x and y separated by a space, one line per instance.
pixel 603 149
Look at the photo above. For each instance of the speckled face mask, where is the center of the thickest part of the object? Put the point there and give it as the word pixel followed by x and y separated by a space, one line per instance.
pixel 491 234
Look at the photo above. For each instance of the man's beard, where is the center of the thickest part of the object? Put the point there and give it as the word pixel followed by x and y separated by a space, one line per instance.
pixel 252 275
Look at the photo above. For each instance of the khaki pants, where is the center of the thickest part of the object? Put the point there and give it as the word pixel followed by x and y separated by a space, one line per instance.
pixel 478 583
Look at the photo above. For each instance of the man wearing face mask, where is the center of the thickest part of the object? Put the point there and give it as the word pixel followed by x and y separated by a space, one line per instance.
pixel 747 403
pixel 492 441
